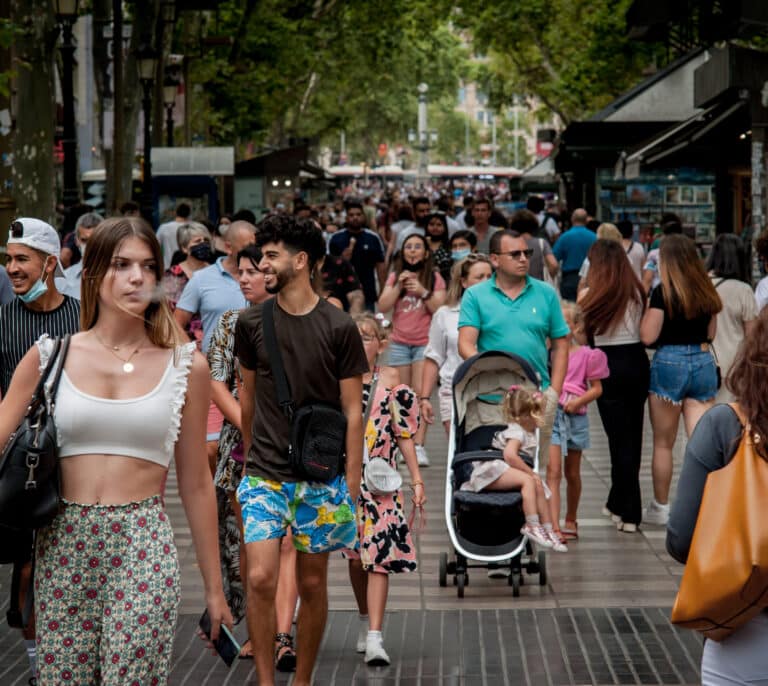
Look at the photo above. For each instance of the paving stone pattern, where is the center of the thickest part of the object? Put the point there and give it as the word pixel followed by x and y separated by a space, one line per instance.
pixel 601 619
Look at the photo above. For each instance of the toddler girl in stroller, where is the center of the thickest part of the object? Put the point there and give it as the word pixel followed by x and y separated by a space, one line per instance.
pixel 523 412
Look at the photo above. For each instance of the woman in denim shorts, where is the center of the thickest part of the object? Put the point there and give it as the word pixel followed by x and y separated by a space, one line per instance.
pixel 681 321
pixel 413 291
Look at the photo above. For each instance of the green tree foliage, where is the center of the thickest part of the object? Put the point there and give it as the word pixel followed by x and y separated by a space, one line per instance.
pixel 305 69
pixel 7 33
pixel 574 55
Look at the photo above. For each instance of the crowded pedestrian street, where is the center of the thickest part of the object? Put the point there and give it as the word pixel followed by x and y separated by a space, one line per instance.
pixel 602 618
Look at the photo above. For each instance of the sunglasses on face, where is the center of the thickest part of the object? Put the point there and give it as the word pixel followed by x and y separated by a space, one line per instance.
pixel 17 230
pixel 517 254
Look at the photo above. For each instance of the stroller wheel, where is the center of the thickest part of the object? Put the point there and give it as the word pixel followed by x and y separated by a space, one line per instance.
pixel 514 581
pixel 443 570
pixel 542 568
pixel 461 580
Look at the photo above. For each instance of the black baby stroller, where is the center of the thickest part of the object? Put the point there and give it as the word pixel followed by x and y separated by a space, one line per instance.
pixel 485 527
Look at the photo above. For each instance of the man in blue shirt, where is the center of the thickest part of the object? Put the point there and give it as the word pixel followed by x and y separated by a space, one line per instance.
pixel 571 249
pixel 364 249
pixel 516 313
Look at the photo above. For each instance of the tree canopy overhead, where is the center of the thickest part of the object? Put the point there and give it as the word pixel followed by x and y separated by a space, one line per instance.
pixel 312 69
pixel 573 55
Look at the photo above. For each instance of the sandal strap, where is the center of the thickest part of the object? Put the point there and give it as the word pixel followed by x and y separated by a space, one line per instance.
pixel 285 640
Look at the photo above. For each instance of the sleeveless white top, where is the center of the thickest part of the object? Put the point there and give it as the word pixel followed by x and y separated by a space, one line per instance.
pixel 145 427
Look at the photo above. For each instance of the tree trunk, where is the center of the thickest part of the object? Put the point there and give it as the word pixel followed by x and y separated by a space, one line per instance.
pixel 7 202
pixel 35 115
pixel 144 19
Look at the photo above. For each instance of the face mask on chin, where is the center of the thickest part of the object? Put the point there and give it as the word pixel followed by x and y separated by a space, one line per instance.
pixel 39 289
pixel 416 267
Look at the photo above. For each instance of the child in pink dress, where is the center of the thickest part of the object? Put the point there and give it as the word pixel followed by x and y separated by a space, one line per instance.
pixel 570 433
pixel 386 546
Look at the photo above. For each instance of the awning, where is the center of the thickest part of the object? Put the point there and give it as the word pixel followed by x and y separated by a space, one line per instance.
pixel 674 139
pixel 544 168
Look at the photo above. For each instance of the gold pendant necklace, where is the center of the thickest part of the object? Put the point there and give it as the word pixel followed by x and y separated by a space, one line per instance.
pixel 128 366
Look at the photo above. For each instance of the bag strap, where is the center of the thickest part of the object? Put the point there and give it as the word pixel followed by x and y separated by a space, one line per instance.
pixel 51 389
pixel 369 404
pixel 39 392
pixel 282 387
pixel 739 413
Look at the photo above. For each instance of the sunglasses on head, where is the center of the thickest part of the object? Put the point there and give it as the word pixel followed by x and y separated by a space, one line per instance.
pixel 17 230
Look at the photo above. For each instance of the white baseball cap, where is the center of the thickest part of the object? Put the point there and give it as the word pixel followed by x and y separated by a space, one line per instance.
pixel 37 234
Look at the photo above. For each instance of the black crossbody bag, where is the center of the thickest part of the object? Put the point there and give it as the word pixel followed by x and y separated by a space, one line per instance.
pixel 318 431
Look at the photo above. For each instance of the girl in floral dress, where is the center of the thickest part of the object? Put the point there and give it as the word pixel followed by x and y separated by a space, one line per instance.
pixel 386 546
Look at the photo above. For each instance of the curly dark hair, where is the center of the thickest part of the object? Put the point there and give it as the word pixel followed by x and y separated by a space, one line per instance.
pixel 295 233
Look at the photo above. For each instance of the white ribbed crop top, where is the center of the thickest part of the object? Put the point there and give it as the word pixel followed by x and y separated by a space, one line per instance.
pixel 145 427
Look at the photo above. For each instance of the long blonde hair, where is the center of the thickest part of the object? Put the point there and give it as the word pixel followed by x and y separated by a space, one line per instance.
pixel 459 272
pixel 159 323
pixel 686 287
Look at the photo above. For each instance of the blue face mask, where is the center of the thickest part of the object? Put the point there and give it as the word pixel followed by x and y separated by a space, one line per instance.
pixel 457 255
pixel 39 288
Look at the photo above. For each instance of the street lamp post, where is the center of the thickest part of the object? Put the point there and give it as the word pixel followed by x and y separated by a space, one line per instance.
pixel 422 133
pixel 146 58
pixel 170 88
pixel 66 16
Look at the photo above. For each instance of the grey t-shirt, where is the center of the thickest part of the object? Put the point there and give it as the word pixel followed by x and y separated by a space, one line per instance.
pixel 712 446
pixel 536 265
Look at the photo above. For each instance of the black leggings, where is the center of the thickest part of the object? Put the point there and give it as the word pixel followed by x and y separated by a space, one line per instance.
pixel 621 407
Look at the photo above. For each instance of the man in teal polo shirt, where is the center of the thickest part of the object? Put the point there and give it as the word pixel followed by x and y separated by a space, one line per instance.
pixel 516 313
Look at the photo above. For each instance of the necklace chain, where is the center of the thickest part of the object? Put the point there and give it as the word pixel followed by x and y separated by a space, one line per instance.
pixel 127 364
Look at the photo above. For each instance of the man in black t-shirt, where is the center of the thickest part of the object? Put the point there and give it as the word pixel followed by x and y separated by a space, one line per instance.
pixel 324 361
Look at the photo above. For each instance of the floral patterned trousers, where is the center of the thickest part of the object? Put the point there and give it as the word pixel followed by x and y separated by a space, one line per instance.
pixel 106 595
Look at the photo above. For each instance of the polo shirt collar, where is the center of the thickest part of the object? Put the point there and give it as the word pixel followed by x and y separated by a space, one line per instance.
pixel 219 263
pixel 528 278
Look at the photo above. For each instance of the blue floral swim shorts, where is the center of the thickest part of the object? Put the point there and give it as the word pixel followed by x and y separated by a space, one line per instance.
pixel 321 514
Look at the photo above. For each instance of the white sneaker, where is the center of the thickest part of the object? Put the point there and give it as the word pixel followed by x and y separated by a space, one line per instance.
pixel 362 637
pixel 375 655
pixel 557 545
pixel 656 513
pixel 421 456
pixel 627 527
pixel 537 535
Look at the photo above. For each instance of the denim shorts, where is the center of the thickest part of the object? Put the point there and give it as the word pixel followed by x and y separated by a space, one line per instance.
pixel 402 354
pixel 570 431
pixel 321 514
pixel 683 371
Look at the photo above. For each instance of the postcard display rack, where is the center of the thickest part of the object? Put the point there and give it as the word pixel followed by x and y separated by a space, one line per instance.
pixel 690 194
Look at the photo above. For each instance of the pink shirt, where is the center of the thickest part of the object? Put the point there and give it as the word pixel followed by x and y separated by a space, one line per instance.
pixel 411 317
pixel 584 364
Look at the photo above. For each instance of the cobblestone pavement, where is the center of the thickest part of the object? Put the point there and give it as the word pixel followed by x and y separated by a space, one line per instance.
pixel 602 617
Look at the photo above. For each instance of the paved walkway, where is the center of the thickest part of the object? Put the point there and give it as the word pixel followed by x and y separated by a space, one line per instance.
pixel 601 619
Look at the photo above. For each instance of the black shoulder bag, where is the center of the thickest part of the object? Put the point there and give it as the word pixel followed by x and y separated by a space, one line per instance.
pixel 29 466
pixel 29 482
pixel 318 431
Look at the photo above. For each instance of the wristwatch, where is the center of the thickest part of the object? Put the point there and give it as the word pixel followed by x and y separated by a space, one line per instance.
pixel 427 295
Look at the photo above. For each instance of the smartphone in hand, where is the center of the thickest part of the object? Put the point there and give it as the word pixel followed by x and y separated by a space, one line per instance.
pixel 226 645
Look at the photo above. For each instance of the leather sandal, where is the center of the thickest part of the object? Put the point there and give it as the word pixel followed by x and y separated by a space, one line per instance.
pixel 571 530
pixel 285 655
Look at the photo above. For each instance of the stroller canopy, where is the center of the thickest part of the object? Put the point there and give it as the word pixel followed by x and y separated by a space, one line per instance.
pixel 485 376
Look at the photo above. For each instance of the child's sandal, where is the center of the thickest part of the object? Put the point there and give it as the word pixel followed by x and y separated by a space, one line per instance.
pixel 285 655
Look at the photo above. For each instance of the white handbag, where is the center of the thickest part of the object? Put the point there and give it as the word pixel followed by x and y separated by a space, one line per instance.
pixel 379 477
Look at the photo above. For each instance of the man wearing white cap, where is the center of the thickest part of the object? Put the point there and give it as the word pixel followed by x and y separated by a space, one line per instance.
pixel 38 308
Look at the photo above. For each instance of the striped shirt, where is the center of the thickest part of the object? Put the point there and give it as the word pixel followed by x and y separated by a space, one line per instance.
pixel 20 327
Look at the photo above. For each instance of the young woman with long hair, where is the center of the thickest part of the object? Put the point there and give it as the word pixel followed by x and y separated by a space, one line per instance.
pixel 681 321
pixel 441 358
pixel 414 291
pixel 437 239
pixel 742 657
pixel 613 305
pixel 132 396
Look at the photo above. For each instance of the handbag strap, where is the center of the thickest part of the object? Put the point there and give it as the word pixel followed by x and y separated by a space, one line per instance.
pixel 282 387
pixel 60 359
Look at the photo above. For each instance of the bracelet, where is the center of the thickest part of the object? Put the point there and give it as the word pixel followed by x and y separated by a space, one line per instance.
pixel 417 483
pixel 424 397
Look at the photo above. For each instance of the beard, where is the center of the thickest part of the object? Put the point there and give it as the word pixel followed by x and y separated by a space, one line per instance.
pixel 281 279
